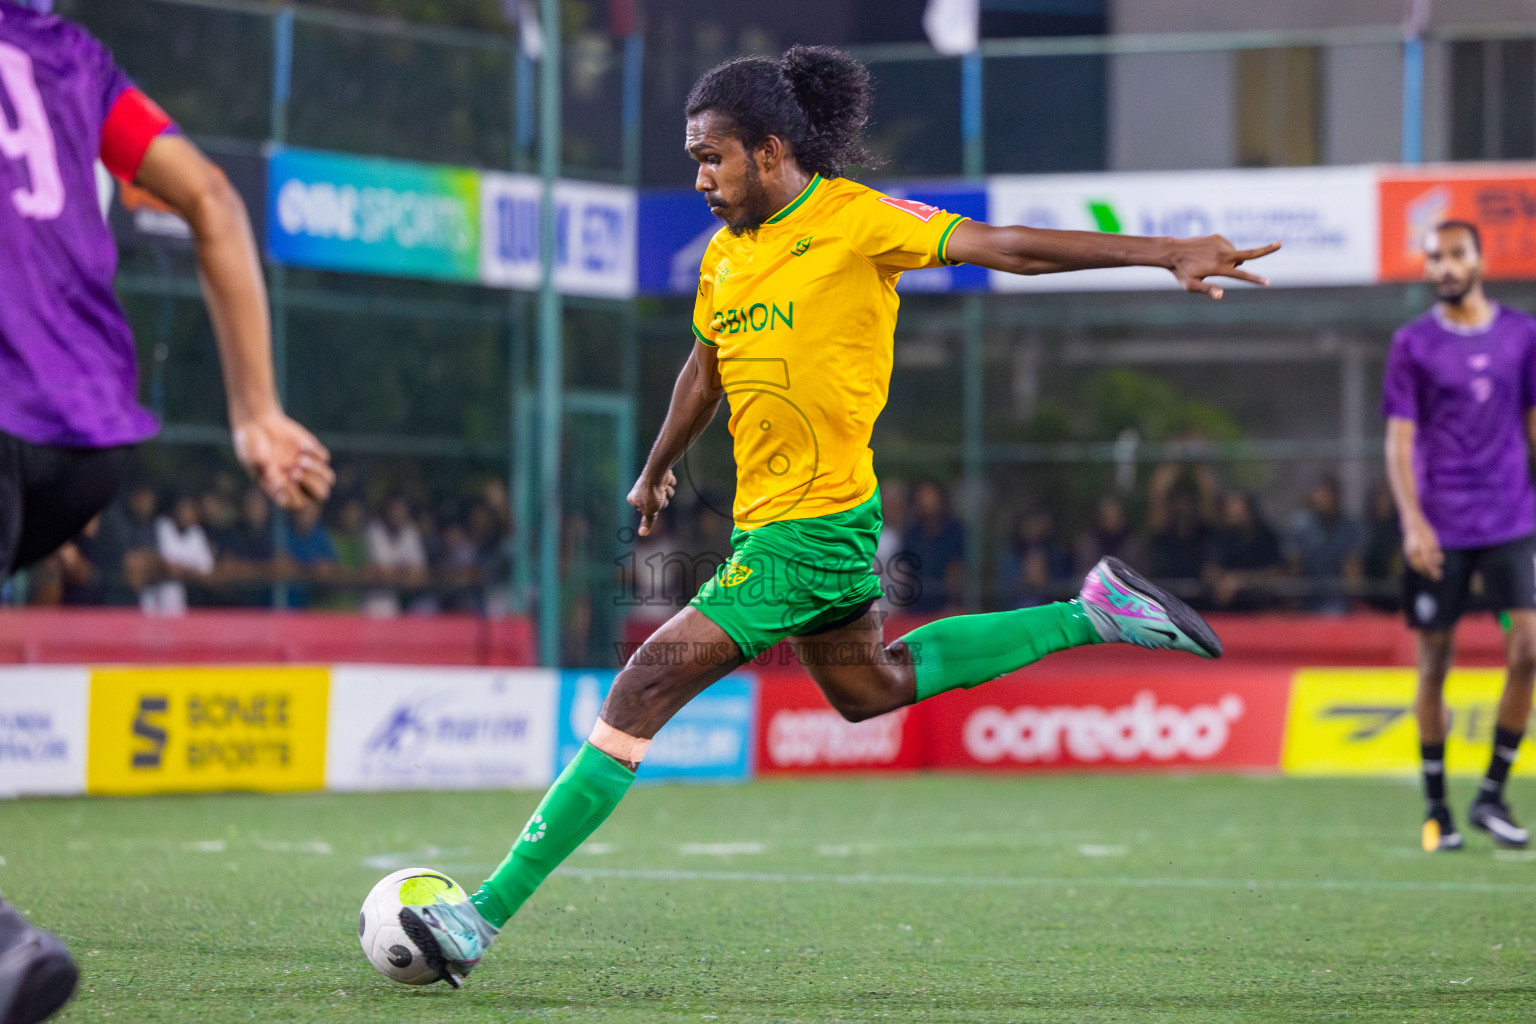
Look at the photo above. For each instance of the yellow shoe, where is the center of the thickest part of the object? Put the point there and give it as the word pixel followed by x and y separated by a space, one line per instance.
pixel 1439 835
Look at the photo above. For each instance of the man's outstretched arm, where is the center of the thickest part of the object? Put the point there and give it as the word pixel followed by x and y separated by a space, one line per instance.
pixel 695 397
pixel 291 466
pixel 1020 250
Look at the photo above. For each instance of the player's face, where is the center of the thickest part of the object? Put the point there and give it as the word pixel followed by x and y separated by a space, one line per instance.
pixel 728 174
pixel 1452 263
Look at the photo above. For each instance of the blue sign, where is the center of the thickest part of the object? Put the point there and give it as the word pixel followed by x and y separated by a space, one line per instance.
pixel 676 226
pixel 675 229
pixel 709 740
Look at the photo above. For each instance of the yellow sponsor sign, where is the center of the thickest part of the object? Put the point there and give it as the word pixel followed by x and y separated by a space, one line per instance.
pixel 157 730
pixel 1361 722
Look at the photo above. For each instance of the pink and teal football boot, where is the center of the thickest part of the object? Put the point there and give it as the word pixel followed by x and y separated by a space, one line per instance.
pixel 1128 608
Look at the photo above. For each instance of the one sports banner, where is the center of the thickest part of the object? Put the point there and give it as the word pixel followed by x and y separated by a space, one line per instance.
pixel 1326 218
pixel 410 727
pixel 210 728
pixel 1360 721
pixel 374 216
pixel 1500 200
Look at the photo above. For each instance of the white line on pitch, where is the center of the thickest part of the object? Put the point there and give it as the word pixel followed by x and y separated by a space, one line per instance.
pixel 1119 882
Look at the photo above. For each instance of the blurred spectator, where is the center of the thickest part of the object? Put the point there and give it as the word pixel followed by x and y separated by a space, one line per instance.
pixel 493 559
pixel 86 565
pixel 349 536
pixel 187 557
pixel 141 552
pixel 498 501
pixel 218 517
pixel 1180 509
pixel 1325 547
pixel 246 556
pixel 1382 560
pixel 396 555
pixel 459 570
pixel 311 552
pixel 1110 533
pixel 656 579
pixel 892 563
pixel 1245 556
pixel 1036 566
pixel 936 541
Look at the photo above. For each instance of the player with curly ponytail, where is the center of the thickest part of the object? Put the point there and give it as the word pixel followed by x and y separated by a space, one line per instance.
pixel 794 320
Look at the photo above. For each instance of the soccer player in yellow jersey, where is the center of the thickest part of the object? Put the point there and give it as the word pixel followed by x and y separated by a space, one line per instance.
pixel 793 325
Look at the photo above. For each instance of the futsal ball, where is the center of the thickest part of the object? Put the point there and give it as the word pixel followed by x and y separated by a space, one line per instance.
pixel 385 943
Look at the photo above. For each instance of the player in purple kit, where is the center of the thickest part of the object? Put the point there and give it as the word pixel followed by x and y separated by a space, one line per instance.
pixel 69 413
pixel 1460 402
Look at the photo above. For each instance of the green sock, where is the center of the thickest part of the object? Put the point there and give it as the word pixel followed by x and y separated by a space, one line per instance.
pixel 580 800
pixel 968 650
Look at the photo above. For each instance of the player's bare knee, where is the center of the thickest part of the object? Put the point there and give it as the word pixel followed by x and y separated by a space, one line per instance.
pixel 1522 657
pixel 865 704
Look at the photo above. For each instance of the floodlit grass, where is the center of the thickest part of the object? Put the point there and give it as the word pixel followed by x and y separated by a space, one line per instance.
pixel 1061 898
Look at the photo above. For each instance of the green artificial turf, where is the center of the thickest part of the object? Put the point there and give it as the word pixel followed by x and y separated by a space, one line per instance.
pixel 1058 898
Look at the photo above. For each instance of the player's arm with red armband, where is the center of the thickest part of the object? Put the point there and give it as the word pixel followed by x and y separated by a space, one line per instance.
pixel 288 462
pixel 1021 250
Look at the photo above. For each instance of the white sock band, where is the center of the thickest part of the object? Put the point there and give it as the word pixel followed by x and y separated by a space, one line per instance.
pixel 616 744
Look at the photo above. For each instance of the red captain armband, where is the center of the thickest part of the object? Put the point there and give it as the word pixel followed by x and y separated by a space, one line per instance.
pixel 132 124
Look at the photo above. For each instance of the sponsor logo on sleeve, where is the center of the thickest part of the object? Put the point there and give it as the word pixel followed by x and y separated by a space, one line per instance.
pixel 922 211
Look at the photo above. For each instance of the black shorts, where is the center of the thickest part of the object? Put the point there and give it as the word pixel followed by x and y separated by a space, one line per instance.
pixel 1494 579
pixel 48 494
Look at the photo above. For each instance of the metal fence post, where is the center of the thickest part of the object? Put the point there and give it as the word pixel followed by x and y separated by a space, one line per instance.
pixel 551 361
pixel 277 292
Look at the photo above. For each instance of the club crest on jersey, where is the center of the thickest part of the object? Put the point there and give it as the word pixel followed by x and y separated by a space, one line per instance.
pixel 802 245
pixel 722 271
pixel 922 211
pixel 732 574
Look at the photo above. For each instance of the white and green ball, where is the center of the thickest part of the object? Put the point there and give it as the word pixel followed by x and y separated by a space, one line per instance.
pixel 385 943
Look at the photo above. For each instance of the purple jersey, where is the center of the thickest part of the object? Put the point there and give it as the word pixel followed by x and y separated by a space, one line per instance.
pixel 66 354
pixel 1467 392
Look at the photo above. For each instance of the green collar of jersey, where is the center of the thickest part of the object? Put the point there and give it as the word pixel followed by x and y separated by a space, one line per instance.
pixel 800 199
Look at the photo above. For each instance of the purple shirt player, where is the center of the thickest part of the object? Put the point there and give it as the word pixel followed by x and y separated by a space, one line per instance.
pixel 69 413
pixel 66 353
pixel 1460 401
pixel 1467 390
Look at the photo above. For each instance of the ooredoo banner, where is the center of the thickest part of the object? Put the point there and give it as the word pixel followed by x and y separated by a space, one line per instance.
pixel 799 732
pixel 43 730
pixel 1227 720
pixel 394 727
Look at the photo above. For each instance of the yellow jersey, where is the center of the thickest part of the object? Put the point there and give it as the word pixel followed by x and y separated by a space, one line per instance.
pixel 803 315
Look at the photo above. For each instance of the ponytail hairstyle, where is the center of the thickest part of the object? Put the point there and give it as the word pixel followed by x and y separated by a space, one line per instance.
pixel 814 98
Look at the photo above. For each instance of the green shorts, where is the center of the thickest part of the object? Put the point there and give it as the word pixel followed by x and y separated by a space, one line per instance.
pixel 795 577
